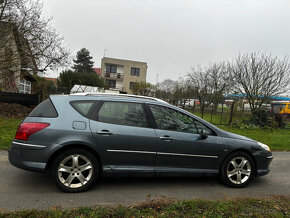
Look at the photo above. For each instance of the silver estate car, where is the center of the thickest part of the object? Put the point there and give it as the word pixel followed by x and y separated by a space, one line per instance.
pixel 81 137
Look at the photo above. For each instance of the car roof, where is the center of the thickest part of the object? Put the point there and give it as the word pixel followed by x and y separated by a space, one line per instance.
pixel 111 96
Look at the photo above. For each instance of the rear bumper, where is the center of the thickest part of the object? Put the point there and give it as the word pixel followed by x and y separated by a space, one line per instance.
pixel 20 153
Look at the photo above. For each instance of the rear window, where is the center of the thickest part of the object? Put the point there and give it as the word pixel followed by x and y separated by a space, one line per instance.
pixel 44 109
pixel 83 107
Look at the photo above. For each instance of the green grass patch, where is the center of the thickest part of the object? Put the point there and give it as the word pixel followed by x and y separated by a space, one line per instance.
pixel 218 119
pixel 163 208
pixel 8 128
pixel 277 139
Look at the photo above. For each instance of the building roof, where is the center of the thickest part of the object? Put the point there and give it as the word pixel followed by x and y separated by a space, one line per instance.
pixel 117 59
pixel 280 98
pixel 98 71
pixel 54 80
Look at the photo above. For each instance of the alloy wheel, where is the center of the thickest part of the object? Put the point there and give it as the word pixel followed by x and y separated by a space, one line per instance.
pixel 75 171
pixel 239 170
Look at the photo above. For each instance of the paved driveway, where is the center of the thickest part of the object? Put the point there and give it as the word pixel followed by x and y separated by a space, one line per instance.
pixel 25 190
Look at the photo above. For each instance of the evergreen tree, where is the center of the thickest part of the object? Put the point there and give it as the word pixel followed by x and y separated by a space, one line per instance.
pixel 68 78
pixel 83 62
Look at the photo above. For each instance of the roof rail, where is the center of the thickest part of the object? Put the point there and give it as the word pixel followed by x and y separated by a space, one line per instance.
pixel 119 95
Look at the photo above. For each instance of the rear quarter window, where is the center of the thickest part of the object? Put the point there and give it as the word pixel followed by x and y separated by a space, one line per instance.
pixel 44 109
pixel 83 107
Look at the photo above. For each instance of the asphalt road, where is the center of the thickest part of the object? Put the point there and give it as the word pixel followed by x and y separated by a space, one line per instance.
pixel 26 190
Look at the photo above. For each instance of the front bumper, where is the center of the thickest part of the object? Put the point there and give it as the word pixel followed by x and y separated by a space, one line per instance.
pixel 27 156
pixel 263 164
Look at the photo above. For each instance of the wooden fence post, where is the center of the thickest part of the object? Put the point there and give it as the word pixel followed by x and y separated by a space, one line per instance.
pixel 231 115
pixel 222 113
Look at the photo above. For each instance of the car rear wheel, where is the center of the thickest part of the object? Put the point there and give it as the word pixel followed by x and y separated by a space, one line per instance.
pixel 75 170
pixel 237 170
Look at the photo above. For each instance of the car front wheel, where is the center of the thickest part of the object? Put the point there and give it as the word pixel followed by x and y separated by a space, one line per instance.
pixel 75 170
pixel 238 170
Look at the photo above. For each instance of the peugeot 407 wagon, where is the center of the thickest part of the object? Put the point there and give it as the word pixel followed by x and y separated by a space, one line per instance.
pixel 81 137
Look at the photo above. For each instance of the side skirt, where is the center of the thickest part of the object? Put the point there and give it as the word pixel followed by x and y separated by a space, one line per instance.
pixel 110 170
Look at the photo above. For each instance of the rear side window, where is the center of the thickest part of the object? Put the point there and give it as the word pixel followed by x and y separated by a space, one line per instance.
pixel 123 113
pixel 44 109
pixel 83 107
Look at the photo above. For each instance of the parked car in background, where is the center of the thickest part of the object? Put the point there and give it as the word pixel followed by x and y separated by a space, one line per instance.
pixel 81 137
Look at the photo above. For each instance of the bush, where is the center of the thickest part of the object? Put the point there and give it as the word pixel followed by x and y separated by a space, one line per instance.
pixel 280 120
pixel 260 118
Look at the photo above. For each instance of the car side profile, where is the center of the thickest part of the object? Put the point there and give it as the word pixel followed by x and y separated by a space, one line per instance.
pixel 81 137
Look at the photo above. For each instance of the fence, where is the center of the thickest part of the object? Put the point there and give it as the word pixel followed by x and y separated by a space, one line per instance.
pixel 230 114
pixel 19 98
pixel 223 115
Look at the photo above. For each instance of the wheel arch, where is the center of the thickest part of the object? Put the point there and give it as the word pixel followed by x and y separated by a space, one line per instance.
pixel 72 146
pixel 240 150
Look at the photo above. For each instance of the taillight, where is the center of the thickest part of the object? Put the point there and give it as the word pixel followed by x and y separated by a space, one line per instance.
pixel 27 129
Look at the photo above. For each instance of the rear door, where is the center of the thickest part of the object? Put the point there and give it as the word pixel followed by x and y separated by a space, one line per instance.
pixel 123 132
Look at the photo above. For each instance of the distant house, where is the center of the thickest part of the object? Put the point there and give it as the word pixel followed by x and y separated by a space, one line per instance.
pixel 54 80
pixel 98 71
pixel 17 64
pixel 121 75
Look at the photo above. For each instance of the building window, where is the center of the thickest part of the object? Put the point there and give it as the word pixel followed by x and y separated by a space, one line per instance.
pixel 24 86
pixel 132 85
pixel 135 71
pixel 111 68
pixel 111 83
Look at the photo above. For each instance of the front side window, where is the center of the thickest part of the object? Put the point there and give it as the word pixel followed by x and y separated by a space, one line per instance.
pixel 170 119
pixel 135 71
pixel 123 113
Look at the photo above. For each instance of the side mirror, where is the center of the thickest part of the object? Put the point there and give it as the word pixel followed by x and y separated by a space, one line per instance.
pixel 203 135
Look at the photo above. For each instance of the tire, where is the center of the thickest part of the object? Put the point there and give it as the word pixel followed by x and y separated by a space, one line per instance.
pixel 75 170
pixel 237 170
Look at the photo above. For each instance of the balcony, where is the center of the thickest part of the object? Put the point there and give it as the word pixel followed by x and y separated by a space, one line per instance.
pixel 110 75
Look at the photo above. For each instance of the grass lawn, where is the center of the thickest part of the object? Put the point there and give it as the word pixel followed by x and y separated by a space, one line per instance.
pixel 278 139
pixel 216 118
pixel 166 208
pixel 8 127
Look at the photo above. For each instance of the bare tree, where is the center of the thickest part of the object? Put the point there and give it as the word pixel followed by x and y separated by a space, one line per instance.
pixel 165 90
pixel 27 39
pixel 258 76
pixel 200 86
pixel 219 83
pixel 181 92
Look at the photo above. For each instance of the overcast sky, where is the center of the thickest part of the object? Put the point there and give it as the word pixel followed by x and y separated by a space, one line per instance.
pixel 172 36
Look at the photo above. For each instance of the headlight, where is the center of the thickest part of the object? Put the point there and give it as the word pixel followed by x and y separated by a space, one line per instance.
pixel 266 147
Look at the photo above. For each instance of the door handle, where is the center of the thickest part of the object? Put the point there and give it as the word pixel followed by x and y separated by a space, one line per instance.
pixel 166 138
pixel 104 132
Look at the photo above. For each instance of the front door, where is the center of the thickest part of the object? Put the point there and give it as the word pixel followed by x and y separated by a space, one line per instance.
pixel 122 131
pixel 180 147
